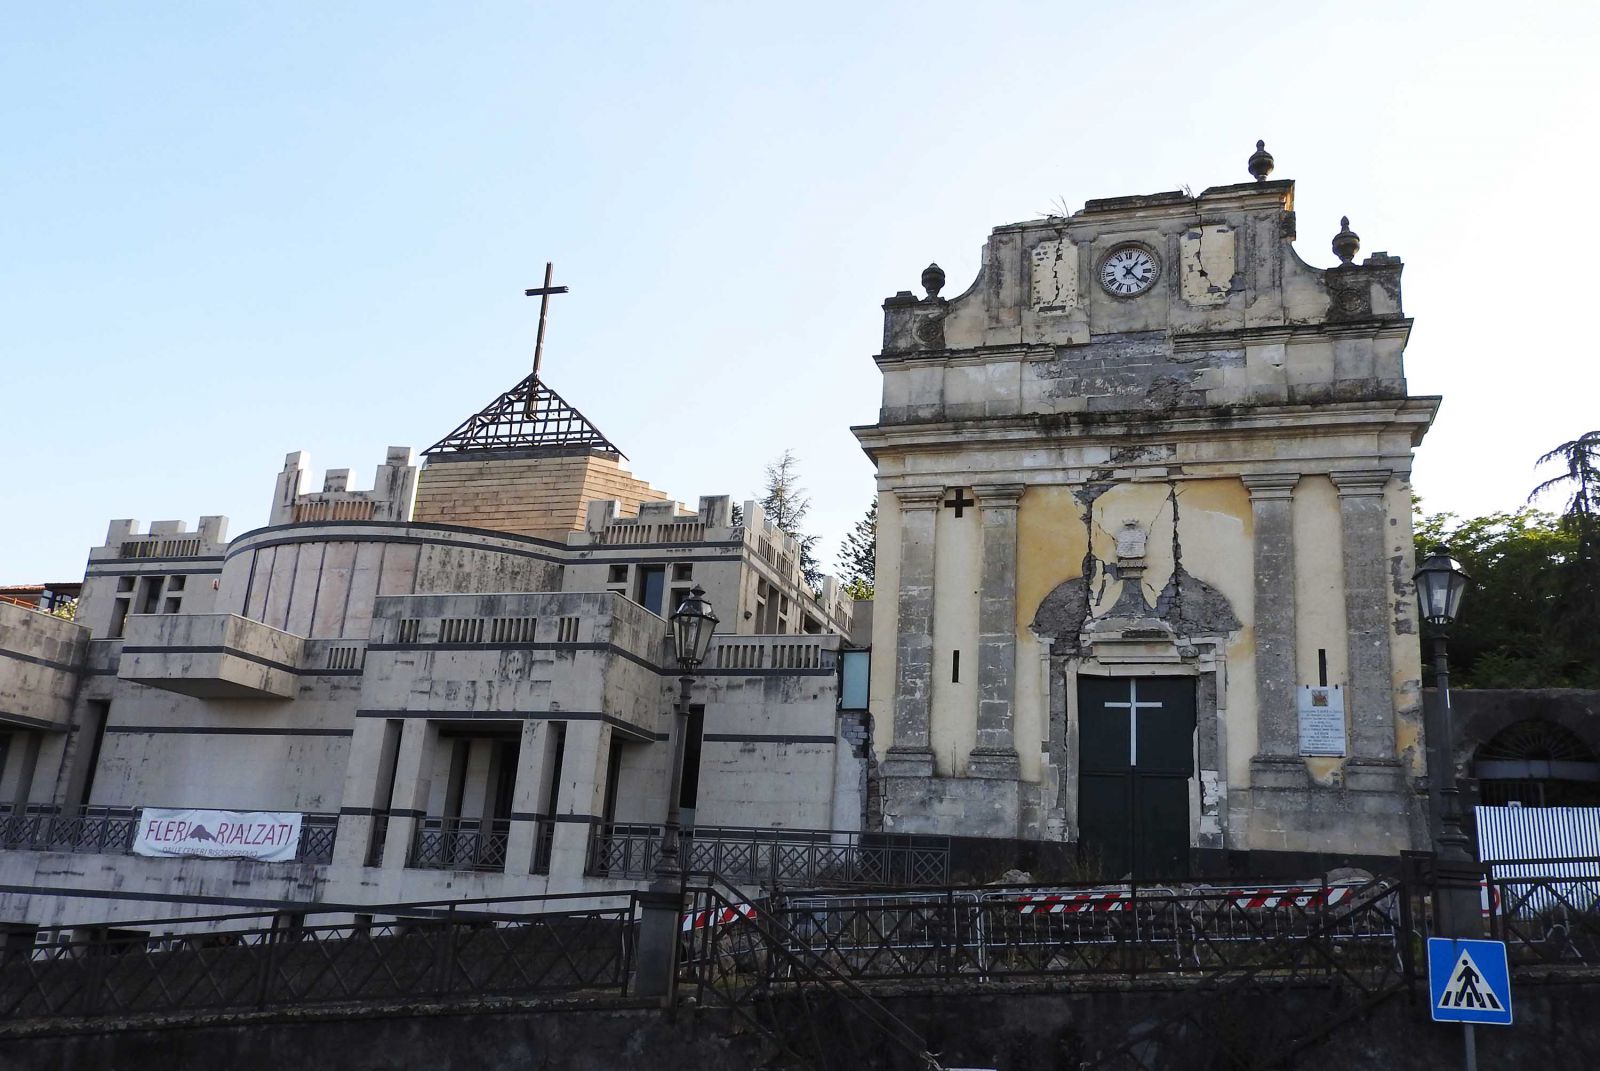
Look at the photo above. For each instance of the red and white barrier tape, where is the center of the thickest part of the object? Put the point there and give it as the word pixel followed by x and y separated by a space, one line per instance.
pixel 1245 899
pixel 718 916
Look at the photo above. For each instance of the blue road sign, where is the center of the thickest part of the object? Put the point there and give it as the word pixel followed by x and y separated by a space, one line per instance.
pixel 1469 981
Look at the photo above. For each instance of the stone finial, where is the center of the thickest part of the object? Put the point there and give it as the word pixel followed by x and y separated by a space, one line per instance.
pixel 932 280
pixel 1347 243
pixel 1260 162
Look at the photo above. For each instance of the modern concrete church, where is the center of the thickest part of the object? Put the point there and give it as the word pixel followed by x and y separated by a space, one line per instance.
pixel 1143 602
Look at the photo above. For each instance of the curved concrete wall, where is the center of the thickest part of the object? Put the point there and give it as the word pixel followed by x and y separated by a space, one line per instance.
pixel 320 580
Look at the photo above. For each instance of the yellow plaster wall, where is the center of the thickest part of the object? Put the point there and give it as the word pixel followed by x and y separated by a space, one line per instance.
pixel 1218 529
pixel 958 548
pixel 1050 547
pixel 1319 581
pixel 1319 620
pixel 1149 505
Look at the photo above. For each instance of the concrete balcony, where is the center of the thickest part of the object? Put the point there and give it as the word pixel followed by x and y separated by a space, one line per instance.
pixel 210 656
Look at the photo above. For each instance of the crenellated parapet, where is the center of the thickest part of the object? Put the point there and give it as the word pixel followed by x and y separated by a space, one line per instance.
pixel 394 490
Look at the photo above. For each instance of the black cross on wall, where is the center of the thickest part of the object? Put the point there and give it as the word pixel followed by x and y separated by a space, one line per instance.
pixel 959 500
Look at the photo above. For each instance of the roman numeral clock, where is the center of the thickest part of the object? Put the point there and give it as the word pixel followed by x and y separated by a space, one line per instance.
pixel 1128 271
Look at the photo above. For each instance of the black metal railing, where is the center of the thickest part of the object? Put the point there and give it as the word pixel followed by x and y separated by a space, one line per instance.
pixel 406 952
pixel 796 858
pixel 739 955
pixel 107 830
pixel 1547 911
pixel 459 844
pixel 1126 930
pixel 318 833
pixel 111 830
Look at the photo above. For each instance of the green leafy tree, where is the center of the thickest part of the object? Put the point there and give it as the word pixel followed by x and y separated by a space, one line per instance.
pixel 67 611
pixel 1577 575
pixel 1509 634
pixel 858 558
pixel 787 504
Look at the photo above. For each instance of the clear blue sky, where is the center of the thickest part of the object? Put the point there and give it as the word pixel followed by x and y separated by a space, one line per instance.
pixel 228 231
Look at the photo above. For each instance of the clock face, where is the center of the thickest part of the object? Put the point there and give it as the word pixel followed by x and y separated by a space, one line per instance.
pixel 1128 271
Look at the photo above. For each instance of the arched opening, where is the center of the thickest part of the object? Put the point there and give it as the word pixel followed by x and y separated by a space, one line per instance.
pixel 1537 763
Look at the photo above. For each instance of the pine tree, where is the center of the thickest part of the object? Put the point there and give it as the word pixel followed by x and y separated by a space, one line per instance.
pixel 786 504
pixel 858 558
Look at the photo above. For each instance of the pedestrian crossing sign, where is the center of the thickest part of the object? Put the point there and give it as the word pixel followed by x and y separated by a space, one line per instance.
pixel 1469 981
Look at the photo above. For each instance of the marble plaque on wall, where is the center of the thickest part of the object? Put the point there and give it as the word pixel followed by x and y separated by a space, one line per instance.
pixel 1322 720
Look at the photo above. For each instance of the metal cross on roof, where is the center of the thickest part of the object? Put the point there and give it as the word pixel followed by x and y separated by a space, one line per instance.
pixel 530 414
pixel 543 293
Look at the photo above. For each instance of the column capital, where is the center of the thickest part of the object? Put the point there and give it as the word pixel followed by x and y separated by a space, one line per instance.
pixel 1360 483
pixel 998 495
pixel 918 497
pixel 1270 485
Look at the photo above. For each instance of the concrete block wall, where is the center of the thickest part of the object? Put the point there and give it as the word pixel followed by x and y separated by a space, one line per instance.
pixel 40 660
pixel 537 496
pixel 167 569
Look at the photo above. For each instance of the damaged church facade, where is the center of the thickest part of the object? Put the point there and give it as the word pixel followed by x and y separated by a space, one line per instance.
pixel 1145 546
pixel 1143 594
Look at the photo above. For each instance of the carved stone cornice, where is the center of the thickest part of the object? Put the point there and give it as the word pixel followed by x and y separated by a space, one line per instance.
pixel 918 497
pixel 998 495
pixel 1270 485
pixel 1360 483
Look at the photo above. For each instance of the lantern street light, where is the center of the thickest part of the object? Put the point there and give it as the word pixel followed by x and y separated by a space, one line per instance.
pixel 1440 585
pixel 662 904
pixel 692 626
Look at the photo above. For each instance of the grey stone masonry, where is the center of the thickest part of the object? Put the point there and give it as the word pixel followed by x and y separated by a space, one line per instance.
pixel 995 754
pixel 1272 504
pixel 911 754
pixel 1369 695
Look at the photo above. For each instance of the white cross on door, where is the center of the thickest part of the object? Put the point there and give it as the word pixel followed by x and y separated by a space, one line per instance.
pixel 1132 706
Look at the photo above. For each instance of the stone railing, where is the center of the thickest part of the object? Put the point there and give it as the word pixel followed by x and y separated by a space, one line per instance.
pixel 807 652
pixel 627 533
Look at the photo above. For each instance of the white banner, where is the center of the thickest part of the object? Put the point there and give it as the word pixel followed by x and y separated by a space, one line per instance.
pixel 271 836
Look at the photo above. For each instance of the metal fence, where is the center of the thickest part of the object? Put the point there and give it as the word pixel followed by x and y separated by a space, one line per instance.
pixel 1126 930
pixel 465 950
pixel 799 858
pixel 1547 911
pixel 110 831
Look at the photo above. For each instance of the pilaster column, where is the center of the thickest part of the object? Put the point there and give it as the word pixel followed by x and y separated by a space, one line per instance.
pixel 580 801
pixel 1272 505
pixel 529 791
pixel 413 783
pixel 995 754
pixel 911 754
pixel 1368 606
pixel 366 792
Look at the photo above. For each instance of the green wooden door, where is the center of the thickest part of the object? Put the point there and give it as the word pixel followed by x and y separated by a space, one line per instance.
pixel 1135 759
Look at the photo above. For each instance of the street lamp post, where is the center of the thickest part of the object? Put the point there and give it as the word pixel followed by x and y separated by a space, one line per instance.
pixel 1440 585
pixel 692 626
